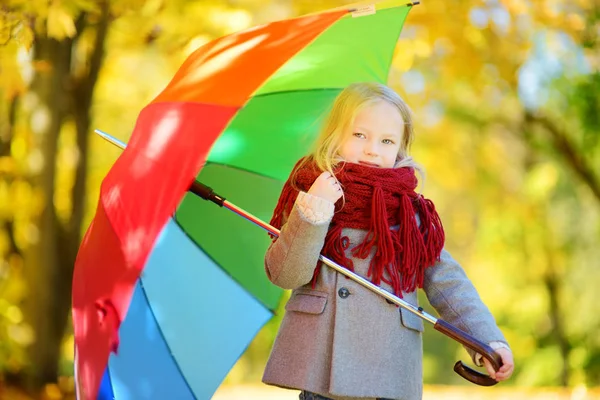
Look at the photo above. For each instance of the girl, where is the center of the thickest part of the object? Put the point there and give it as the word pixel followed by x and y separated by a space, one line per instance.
pixel 353 199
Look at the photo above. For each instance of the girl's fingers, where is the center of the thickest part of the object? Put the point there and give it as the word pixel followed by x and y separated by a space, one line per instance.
pixel 489 368
pixel 503 377
pixel 504 372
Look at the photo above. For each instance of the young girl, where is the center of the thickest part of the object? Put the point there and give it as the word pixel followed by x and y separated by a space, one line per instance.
pixel 353 199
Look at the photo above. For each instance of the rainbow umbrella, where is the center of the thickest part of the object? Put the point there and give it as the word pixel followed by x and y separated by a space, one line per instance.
pixel 168 290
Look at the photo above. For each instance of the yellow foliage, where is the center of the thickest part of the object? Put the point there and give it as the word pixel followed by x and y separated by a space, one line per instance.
pixel 515 7
pixel 60 24
pixel 575 22
pixel 52 392
pixel 422 48
pixel 403 58
pixel 541 182
pixel 11 81
pixel 474 36
pixel 83 5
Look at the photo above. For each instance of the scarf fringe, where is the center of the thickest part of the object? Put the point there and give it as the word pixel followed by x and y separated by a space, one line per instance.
pixel 401 256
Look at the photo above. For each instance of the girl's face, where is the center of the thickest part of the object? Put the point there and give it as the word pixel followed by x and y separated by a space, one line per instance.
pixel 374 138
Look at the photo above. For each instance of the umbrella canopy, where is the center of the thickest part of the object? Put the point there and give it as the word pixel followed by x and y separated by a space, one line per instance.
pixel 169 290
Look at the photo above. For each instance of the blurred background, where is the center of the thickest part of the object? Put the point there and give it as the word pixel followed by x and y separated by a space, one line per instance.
pixel 506 95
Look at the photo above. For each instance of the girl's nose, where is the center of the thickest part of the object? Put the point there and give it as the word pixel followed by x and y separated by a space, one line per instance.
pixel 370 149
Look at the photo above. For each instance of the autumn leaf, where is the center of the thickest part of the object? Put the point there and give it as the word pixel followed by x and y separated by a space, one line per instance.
pixel 60 24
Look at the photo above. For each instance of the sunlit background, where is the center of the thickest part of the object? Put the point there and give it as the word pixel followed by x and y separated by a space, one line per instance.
pixel 506 96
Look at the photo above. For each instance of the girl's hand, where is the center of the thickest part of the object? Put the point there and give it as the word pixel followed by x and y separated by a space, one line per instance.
pixel 326 187
pixel 507 368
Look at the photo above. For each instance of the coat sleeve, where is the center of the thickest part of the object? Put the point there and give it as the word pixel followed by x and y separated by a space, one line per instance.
pixel 454 297
pixel 291 259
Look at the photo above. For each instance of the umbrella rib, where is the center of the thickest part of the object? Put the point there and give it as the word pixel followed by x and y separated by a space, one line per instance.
pixel 296 90
pixel 243 170
pixel 158 327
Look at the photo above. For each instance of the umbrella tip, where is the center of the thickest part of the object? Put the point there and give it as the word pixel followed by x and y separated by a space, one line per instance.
pixel 371 7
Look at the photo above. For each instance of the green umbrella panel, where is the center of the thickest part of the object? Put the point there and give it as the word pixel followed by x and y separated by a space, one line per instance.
pixel 253 157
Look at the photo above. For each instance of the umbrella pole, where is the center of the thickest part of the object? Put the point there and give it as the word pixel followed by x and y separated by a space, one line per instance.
pixel 440 325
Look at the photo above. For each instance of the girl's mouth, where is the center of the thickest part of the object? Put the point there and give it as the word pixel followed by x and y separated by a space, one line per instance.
pixel 368 164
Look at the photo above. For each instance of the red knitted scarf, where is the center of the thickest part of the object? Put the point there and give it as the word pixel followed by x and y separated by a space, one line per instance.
pixel 375 200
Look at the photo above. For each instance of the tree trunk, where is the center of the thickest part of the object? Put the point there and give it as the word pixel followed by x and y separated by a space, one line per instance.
pixel 82 102
pixel 7 127
pixel 567 149
pixel 553 287
pixel 42 267
pixel 51 260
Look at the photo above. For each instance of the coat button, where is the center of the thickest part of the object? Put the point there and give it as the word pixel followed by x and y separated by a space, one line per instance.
pixel 343 292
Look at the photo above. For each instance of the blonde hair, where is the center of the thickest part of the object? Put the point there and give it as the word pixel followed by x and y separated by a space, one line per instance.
pixel 345 107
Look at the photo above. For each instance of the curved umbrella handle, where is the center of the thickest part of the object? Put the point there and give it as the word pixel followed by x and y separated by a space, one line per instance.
pixel 469 341
pixel 473 376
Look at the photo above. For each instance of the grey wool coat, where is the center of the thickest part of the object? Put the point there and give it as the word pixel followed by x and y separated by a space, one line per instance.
pixel 343 341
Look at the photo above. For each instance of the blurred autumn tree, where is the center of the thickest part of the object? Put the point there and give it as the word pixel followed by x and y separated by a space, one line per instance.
pixel 511 89
pixel 52 55
pixel 506 95
pixel 67 42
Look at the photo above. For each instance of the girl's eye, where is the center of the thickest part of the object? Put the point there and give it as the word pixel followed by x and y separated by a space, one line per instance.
pixel 359 135
pixel 388 141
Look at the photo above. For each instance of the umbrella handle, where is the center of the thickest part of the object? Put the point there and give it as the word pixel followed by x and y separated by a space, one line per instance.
pixel 473 376
pixel 469 341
